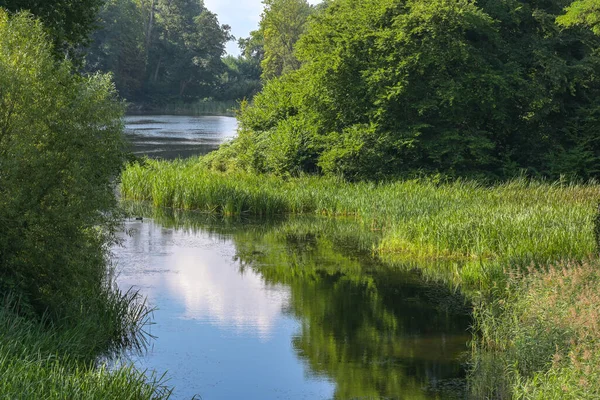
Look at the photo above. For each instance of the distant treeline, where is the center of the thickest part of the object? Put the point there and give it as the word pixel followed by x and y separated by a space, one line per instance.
pixel 380 88
pixel 165 51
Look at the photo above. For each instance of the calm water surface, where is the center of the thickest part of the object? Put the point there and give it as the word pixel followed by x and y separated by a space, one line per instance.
pixel 294 309
pixel 288 309
pixel 176 136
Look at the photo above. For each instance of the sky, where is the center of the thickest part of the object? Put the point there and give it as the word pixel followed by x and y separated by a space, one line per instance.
pixel 242 15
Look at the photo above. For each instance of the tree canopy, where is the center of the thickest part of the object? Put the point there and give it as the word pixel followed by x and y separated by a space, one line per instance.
pixel 160 50
pixel 69 22
pixel 390 87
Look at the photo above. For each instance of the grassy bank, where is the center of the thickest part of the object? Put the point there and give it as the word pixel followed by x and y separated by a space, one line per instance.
pixel 201 107
pixel 474 231
pixel 541 338
pixel 524 251
pixel 44 359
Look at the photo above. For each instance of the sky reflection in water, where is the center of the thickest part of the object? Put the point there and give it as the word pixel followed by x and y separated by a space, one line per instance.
pixel 267 314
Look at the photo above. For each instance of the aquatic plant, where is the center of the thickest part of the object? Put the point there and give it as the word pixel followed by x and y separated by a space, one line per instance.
pixel 478 230
pixel 542 334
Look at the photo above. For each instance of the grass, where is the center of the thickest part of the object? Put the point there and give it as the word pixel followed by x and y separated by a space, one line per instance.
pixel 40 359
pixel 543 335
pixel 523 251
pixel 474 232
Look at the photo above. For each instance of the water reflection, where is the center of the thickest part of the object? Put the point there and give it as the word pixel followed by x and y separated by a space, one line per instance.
pixel 176 136
pixel 291 309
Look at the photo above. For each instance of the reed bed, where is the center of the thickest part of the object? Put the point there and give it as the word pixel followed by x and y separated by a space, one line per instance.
pixel 478 230
pixel 45 360
pixel 541 338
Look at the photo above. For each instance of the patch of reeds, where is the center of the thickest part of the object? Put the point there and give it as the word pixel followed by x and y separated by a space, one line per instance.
pixel 541 339
pixel 474 229
pixel 42 359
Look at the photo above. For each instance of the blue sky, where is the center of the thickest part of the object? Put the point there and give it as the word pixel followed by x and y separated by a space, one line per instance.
pixel 242 15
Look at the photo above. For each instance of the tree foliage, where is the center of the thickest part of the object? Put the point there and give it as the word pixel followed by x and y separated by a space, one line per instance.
pixel 160 49
pixel 582 12
pixel 69 22
pixel 281 25
pixel 390 87
pixel 60 148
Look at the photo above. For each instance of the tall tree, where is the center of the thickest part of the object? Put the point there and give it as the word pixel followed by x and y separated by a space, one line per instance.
pixel 119 45
pixel 186 48
pixel 282 23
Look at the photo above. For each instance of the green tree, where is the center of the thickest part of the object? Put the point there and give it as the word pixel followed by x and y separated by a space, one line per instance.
pixel 470 89
pixel 186 48
pixel 118 45
pixel 60 151
pixel 241 79
pixel 282 23
pixel 582 12
pixel 70 22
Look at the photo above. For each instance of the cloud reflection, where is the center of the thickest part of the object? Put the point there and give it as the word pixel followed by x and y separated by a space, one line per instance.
pixel 199 273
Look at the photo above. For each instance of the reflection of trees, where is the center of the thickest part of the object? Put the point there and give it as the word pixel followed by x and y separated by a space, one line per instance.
pixel 376 331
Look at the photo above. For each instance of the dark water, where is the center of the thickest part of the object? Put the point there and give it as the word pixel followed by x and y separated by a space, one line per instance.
pixel 291 309
pixel 176 136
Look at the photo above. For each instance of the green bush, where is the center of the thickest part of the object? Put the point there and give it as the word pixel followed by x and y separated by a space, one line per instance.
pixel 463 88
pixel 60 149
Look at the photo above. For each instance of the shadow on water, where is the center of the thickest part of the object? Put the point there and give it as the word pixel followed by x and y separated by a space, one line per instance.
pixel 372 330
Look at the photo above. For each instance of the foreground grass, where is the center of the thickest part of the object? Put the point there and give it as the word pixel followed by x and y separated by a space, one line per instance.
pixel 42 360
pixel 475 232
pixel 542 339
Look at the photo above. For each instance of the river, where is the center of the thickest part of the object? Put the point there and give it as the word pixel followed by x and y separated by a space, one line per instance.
pixel 295 308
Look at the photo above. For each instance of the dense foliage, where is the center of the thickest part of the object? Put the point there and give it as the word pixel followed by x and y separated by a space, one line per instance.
pixel 60 148
pixel 160 50
pixel 69 22
pixel 387 87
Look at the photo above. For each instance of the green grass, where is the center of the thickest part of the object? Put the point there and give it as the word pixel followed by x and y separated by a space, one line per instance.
pixel 40 359
pixel 541 338
pixel 467 231
pixel 523 251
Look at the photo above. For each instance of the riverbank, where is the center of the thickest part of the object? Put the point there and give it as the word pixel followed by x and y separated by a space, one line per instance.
pixel 59 359
pixel 198 108
pixel 479 238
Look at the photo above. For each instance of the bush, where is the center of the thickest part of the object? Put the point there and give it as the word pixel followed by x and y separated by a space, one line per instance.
pixel 60 150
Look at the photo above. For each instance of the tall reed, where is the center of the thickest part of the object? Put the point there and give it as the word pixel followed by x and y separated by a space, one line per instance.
pixel 477 230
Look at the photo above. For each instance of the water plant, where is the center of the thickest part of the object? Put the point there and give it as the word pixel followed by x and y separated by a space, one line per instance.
pixel 475 229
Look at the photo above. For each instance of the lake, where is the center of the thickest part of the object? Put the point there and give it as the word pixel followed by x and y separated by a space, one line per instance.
pixel 289 308
pixel 176 136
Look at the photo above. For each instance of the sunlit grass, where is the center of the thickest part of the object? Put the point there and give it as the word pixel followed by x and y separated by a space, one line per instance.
pixel 46 360
pixel 480 230
pixel 541 338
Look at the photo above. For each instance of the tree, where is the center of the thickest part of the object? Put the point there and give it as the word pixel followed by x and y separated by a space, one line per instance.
pixel 282 23
pixel 69 22
pixel 388 88
pixel 60 150
pixel 582 12
pixel 118 45
pixel 186 48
